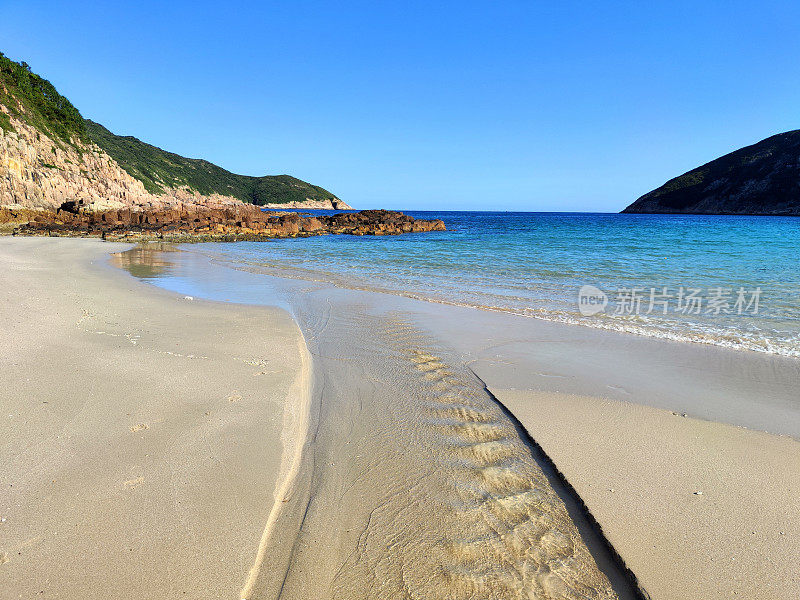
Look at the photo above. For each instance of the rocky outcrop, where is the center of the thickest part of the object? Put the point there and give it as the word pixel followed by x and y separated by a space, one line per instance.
pixel 309 204
pixel 762 179
pixel 36 172
pixel 188 222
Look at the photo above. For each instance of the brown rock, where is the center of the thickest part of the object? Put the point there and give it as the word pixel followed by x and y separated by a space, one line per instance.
pixel 197 220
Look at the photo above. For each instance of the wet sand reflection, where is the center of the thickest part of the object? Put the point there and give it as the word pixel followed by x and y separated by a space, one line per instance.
pixel 147 261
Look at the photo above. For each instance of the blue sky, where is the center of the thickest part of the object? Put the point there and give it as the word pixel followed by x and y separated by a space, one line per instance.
pixel 571 106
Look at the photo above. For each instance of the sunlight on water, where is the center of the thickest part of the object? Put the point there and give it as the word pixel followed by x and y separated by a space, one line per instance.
pixel 535 264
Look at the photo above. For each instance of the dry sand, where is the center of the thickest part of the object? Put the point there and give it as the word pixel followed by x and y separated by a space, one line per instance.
pixel 696 509
pixel 140 431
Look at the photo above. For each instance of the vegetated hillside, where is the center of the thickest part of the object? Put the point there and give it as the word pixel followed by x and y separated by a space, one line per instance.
pixel 762 179
pixel 36 103
pixel 31 98
pixel 159 169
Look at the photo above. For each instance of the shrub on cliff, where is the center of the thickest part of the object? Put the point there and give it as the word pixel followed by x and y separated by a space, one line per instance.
pixel 30 97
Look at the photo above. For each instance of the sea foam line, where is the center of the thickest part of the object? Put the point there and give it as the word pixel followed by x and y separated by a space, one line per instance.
pixel 763 345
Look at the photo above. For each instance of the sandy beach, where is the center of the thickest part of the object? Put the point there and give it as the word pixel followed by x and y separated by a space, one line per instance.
pixel 506 459
pixel 141 432
pixel 147 432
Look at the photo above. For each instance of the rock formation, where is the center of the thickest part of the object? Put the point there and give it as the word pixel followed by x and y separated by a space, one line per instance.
pixel 61 174
pixel 192 222
pixel 334 204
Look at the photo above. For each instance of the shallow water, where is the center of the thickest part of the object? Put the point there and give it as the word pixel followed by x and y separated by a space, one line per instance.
pixel 757 390
pixel 534 264
pixel 412 481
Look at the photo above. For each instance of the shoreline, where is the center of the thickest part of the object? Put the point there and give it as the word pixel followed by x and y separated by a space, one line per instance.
pixel 647 380
pixel 568 360
pixel 299 515
pixel 656 330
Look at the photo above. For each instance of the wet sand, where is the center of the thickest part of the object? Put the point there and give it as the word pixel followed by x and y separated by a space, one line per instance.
pixel 140 433
pixel 600 404
pixel 414 483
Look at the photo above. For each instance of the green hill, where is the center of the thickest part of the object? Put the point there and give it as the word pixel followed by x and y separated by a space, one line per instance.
pixel 159 169
pixel 762 179
pixel 34 100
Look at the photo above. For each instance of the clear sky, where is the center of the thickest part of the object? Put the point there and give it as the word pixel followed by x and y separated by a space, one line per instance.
pixel 575 106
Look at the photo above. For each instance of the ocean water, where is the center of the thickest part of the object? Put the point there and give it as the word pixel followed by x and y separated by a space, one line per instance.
pixel 731 281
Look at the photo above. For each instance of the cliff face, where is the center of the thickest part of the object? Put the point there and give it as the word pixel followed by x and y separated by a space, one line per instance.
pixel 39 172
pixel 49 155
pixel 762 179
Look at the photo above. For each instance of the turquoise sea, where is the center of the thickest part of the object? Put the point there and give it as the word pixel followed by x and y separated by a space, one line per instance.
pixel 726 280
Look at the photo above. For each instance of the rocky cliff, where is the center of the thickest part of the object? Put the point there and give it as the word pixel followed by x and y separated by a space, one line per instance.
pixel 762 179
pixel 50 155
pixel 38 172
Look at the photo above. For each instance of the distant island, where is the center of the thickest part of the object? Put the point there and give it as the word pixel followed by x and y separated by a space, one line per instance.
pixel 51 155
pixel 762 179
